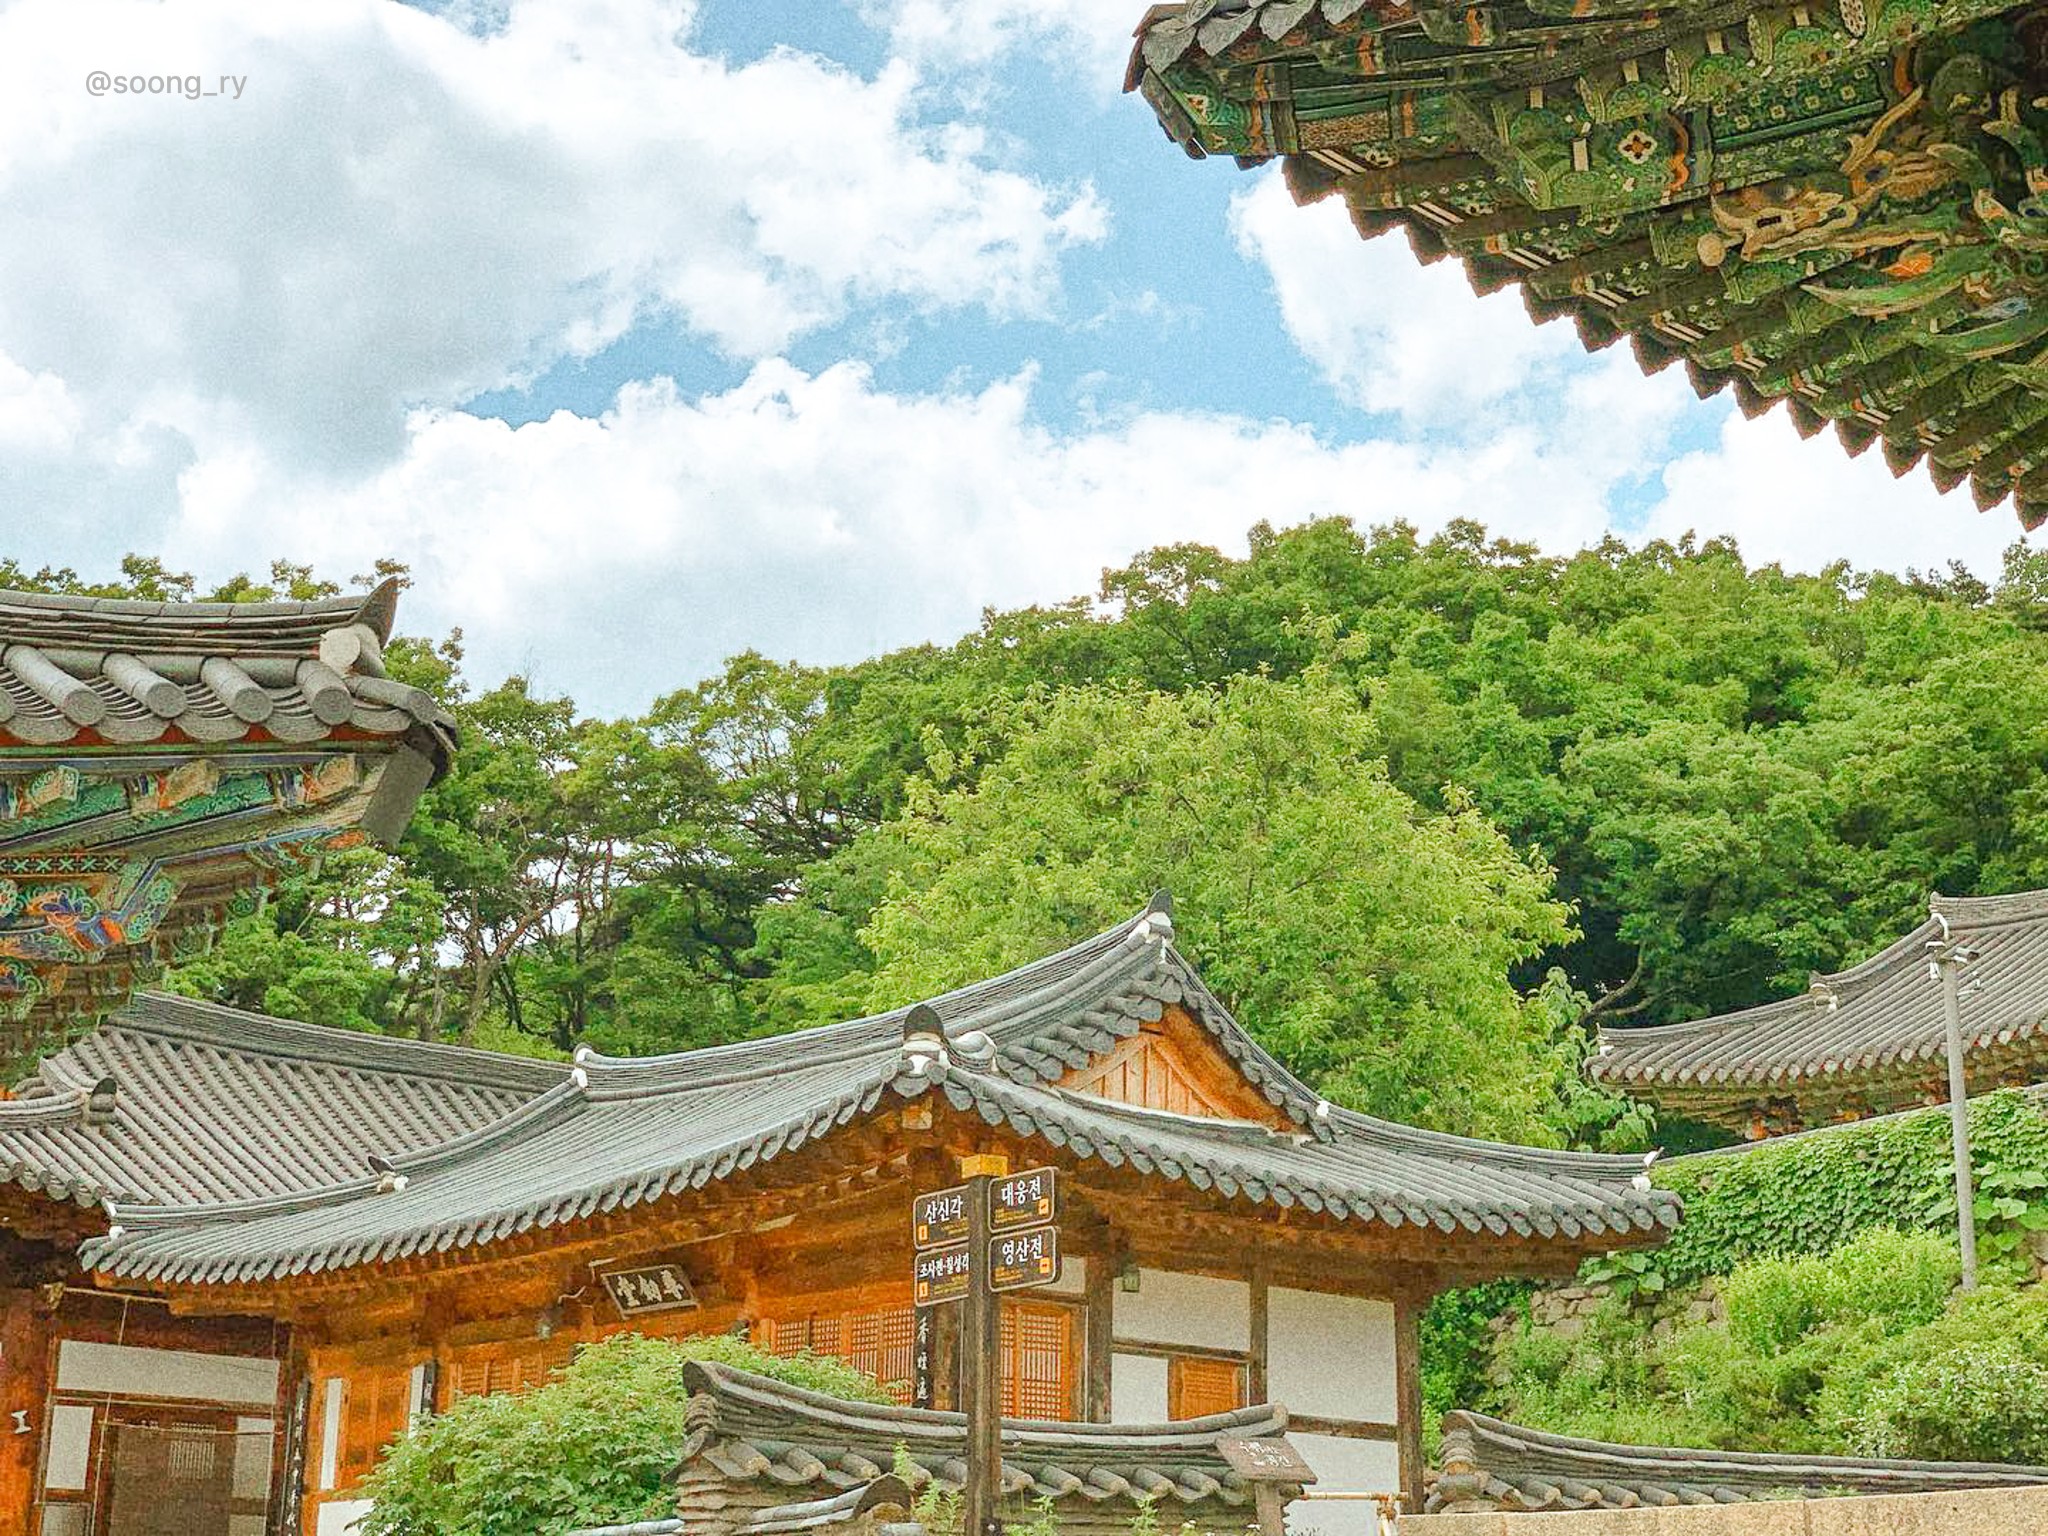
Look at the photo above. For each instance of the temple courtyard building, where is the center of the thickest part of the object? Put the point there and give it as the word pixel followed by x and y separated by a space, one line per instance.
pixel 1866 1041
pixel 242 1255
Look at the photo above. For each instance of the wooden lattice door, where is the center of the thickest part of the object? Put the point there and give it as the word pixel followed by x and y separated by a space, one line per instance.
pixel 172 1473
pixel 1038 1361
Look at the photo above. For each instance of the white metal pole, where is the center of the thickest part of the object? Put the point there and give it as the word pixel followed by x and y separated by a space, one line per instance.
pixel 1946 962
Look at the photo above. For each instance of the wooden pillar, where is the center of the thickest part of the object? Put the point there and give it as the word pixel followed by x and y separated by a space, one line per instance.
pixel 1258 1385
pixel 1408 1398
pixel 982 1380
pixel 1098 1348
pixel 946 1357
pixel 24 1365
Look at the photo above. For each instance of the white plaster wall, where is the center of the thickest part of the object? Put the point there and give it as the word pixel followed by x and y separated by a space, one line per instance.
pixel 1185 1309
pixel 1073 1280
pixel 1329 1356
pixel 1137 1389
pixel 337 1517
pixel 1344 1466
pixel 127 1370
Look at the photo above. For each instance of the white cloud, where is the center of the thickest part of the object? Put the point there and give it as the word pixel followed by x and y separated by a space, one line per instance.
pixel 818 515
pixel 966 36
pixel 1806 504
pixel 1387 332
pixel 37 414
pixel 397 212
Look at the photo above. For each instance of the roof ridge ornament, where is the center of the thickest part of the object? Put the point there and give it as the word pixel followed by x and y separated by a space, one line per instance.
pixel 924 1042
pixel 101 1100
pixel 1157 923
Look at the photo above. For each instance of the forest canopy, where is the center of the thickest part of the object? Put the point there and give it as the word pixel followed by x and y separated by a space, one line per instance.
pixel 1425 803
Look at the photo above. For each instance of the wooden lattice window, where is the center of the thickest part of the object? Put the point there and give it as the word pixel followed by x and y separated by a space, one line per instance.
pixel 376 1410
pixel 876 1340
pixel 1038 1361
pixel 501 1368
pixel 1199 1385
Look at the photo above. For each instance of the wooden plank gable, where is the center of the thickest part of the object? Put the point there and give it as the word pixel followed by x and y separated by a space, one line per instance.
pixel 1175 1065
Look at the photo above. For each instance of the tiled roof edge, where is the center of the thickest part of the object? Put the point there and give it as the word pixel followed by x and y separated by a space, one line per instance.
pixel 763 1392
pixel 1478 1449
pixel 256 1034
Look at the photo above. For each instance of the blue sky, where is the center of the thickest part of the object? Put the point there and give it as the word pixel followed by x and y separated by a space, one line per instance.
pixel 650 330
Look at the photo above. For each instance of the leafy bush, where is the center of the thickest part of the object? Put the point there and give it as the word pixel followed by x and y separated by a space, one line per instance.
pixel 1866 1351
pixel 588 1448
pixel 1968 1383
pixel 1809 1195
pixel 1962 1405
pixel 1900 1278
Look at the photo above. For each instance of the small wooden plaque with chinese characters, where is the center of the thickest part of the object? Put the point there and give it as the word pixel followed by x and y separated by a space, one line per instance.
pixel 659 1288
pixel 1266 1461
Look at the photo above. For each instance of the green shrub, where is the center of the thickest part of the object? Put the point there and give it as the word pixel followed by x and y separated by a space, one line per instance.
pixel 1809 1195
pixel 1962 1405
pixel 1956 1386
pixel 1830 1354
pixel 1901 1278
pixel 588 1448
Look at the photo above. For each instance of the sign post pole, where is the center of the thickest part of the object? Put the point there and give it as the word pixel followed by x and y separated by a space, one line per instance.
pixel 991 1233
pixel 983 1340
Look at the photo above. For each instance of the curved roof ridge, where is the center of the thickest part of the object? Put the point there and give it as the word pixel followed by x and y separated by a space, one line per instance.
pixel 749 1387
pixel 1615 1455
pixel 168 1016
pixel 536 1114
pixel 114 623
pixel 849 1040
pixel 1549 1159
pixel 1983 911
pixel 44 1112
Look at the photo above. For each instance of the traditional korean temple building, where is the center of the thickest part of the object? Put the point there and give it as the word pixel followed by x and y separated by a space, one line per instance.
pixel 161 764
pixel 1868 1040
pixel 1836 205
pixel 254 1251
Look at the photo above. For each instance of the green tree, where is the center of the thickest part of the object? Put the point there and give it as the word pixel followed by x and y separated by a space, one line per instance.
pixel 1363 938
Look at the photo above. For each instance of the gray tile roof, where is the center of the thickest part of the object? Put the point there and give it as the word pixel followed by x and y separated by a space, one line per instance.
pixel 212 1103
pixel 1488 1464
pixel 1210 28
pixel 619 1132
pixel 747 1429
pixel 1875 1032
pixel 125 672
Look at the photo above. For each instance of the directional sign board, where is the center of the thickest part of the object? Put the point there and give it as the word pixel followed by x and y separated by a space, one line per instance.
pixel 1024 1259
pixel 1021 1200
pixel 941 1275
pixel 1266 1461
pixel 939 1217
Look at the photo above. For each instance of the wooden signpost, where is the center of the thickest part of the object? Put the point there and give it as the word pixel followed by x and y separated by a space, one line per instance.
pixel 1269 1466
pixel 992 1234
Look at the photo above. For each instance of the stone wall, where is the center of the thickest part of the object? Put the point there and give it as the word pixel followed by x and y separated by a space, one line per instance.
pixel 1564 1309
pixel 1987 1512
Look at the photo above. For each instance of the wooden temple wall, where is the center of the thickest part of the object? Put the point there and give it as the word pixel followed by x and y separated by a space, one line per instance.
pixel 1133 1345
pixel 122 1416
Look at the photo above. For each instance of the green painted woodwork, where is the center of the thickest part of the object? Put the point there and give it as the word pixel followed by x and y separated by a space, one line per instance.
pixel 1844 204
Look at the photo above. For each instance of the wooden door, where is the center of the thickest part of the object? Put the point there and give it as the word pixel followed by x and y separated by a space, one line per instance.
pixel 1039 1356
pixel 1199 1385
pixel 171 1472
